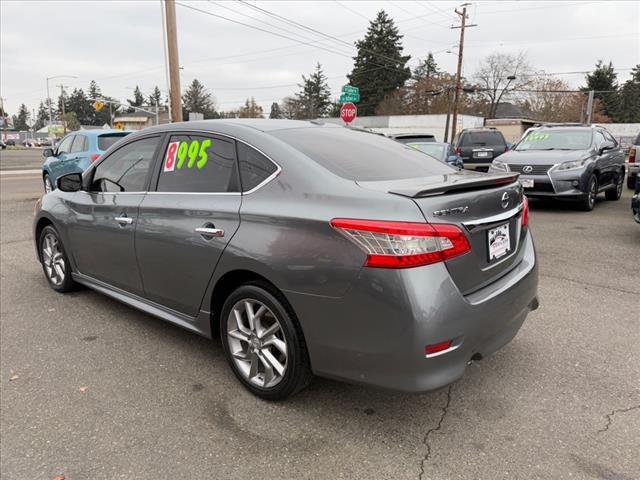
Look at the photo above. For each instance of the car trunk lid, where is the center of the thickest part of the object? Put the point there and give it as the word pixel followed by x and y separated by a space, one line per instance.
pixel 488 208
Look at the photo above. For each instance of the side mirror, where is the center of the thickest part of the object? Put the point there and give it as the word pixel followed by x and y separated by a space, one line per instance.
pixel 71 182
pixel 606 146
pixel 48 152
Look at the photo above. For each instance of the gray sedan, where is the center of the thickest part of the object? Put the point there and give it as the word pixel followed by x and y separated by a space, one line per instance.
pixel 309 249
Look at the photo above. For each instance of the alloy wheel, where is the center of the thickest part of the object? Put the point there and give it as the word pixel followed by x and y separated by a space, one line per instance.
pixel 257 343
pixel 593 192
pixel 53 259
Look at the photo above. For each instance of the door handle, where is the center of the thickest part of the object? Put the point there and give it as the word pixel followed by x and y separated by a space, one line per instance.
pixel 124 220
pixel 209 232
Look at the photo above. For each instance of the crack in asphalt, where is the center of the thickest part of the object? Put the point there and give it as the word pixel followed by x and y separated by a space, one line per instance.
pixel 582 282
pixel 425 440
pixel 613 412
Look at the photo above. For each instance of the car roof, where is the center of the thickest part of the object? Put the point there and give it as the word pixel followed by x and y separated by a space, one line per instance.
pixel 409 135
pixel 100 131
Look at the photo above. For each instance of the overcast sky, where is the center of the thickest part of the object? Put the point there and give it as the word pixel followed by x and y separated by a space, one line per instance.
pixel 120 45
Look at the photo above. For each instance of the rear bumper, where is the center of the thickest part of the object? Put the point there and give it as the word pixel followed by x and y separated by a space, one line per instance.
pixel 376 334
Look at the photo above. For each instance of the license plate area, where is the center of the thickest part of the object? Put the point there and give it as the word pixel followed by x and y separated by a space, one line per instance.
pixel 527 182
pixel 484 154
pixel 499 242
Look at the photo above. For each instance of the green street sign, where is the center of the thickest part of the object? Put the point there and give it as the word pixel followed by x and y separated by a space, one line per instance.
pixel 349 97
pixel 350 89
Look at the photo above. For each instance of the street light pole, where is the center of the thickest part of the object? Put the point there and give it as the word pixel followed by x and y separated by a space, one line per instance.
pixel 49 96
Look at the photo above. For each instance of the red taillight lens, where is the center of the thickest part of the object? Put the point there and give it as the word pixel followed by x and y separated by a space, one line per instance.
pixel 459 151
pixel 438 347
pixel 506 148
pixel 525 211
pixel 403 244
pixel 632 155
pixel 95 156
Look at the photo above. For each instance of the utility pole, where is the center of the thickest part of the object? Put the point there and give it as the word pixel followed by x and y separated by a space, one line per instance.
pixel 174 66
pixel 590 106
pixel 456 96
pixel 64 121
pixel 4 119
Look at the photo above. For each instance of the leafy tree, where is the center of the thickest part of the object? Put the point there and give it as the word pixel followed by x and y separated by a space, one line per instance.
pixel 156 97
pixel 379 66
pixel 198 99
pixel 20 121
pixel 250 109
pixel 629 110
pixel 275 111
pixel 71 121
pixel 427 68
pixel 314 98
pixel 604 80
pixel 42 118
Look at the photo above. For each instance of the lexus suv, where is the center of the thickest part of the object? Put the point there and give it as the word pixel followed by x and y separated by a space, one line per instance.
pixel 567 163
pixel 308 248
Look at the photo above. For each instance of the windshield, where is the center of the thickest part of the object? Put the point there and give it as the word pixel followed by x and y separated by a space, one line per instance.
pixel 356 155
pixel 556 140
pixel 432 149
pixel 105 141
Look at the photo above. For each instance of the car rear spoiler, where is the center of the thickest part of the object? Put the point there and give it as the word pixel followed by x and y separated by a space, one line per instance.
pixel 458 182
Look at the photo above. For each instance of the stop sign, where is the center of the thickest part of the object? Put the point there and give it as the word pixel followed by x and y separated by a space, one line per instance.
pixel 348 112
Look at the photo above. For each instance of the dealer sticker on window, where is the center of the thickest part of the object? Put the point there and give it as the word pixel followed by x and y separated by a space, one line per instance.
pixel 499 243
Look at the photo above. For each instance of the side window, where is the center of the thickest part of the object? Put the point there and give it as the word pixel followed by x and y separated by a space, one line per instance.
pixel 255 168
pixel 198 163
pixel 65 145
pixel 126 169
pixel 599 138
pixel 79 144
pixel 609 137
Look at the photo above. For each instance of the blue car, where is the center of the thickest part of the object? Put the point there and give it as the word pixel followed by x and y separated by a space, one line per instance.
pixel 75 152
pixel 441 151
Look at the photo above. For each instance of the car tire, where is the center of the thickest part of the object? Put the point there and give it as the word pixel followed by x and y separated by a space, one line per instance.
pixel 631 181
pixel 616 193
pixel 55 263
pixel 46 181
pixel 263 342
pixel 589 201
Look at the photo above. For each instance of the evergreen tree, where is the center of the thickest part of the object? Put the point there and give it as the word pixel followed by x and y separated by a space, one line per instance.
pixel 20 121
pixel 629 111
pixel 379 66
pixel 94 90
pixel 81 106
pixel 156 97
pixel 275 111
pixel 427 68
pixel 250 109
pixel 315 97
pixel 605 81
pixel 198 99
pixel 42 118
pixel 334 109
pixel 138 98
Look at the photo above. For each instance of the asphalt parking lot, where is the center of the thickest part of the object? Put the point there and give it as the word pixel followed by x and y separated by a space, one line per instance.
pixel 92 389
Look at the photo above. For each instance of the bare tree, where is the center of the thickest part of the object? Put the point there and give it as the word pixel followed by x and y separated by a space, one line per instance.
pixel 501 74
pixel 551 101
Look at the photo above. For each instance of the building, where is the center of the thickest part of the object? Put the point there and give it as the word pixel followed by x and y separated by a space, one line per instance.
pixel 512 128
pixel 140 119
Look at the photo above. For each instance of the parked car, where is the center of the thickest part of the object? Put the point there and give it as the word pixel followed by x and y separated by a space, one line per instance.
pixel 412 137
pixel 3 145
pixel 30 142
pixel 440 151
pixel 309 248
pixel 567 163
pixel 75 152
pixel 635 202
pixel 633 163
pixel 11 142
pixel 479 146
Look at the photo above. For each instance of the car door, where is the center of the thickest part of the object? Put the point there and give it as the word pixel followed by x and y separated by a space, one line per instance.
pixel 616 155
pixel 75 157
pixel 56 165
pixel 102 222
pixel 186 223
pixel 606 160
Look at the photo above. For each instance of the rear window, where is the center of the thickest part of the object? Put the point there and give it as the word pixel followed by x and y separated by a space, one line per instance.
pixel 361 156
pixel 432 149
pixel 105 141
pixel 415 138
pixel 481 139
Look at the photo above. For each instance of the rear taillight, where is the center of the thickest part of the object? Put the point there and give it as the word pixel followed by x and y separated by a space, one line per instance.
pixel 632 155
pixel 506 148
pixel 403 244
pixel 459 151
pixel 95 156
pixel 525 211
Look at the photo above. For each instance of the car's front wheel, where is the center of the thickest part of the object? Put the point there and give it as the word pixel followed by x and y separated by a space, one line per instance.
pixel 55 262
pixel 616 193
pixel 48 186
pixel 588 202
pixel 263 342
